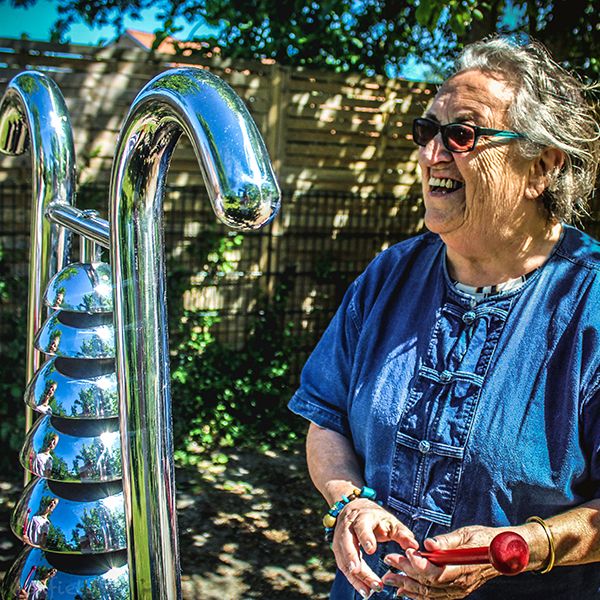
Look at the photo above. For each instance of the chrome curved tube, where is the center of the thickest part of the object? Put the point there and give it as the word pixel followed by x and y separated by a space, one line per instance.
pixel 244 194
pixel 33 115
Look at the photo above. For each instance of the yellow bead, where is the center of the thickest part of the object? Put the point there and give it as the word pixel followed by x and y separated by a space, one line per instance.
pixel 329 521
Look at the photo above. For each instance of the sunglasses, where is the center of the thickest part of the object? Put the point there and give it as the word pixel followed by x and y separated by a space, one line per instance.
pixel 457 137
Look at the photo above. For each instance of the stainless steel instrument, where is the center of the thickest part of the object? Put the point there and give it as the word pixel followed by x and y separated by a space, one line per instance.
pixel 100 512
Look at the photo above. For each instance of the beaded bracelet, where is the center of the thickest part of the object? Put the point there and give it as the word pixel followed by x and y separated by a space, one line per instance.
pixel 552 554
pixel 330 518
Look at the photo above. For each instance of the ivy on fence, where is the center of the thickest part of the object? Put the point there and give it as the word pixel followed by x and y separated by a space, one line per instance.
pixel 225 396
pixel 13 293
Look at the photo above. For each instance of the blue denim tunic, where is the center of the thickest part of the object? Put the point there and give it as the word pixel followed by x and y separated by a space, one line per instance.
pixel 468 413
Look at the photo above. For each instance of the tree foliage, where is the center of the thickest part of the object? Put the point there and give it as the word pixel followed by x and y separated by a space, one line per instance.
pixel 371 36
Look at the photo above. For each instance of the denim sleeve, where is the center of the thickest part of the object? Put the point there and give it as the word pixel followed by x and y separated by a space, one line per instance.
pixel 325 381
pixel 591 432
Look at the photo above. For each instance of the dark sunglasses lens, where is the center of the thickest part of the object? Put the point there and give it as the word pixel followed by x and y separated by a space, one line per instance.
pixel 459 138
pixel 424 131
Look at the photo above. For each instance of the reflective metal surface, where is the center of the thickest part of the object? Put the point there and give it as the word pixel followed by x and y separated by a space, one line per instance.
pixel 101 577
pixel 75 389
pixel 69 518
pixel 81 287
pixel 33 115
pixel 82 222
pixel 244 193
pixel 73 451
pixel 77 335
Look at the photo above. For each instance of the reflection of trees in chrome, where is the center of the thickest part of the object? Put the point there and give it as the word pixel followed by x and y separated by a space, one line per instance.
pixel 183 84
pixel 57 540
pixel 96 347
pixel 97 461
pixel 60 469
pixel 244 205
pixel 45 502
pixel 93 401
pixel 93 302
pixel 66 273
pixel 100 530
pixel 102 589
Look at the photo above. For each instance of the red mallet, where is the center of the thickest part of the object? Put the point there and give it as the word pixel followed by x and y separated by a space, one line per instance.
pixel 508 553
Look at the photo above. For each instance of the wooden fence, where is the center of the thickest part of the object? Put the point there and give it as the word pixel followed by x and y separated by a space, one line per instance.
pixel 324 131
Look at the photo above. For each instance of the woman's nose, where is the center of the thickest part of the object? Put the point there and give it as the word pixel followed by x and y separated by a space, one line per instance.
pixel 434 151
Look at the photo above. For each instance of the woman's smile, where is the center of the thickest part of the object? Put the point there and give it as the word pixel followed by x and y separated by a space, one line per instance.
pixel 443 186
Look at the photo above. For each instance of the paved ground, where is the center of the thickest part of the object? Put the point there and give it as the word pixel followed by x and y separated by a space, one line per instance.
pixel 248 529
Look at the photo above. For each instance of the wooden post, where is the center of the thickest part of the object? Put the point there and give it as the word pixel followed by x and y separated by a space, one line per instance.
pixel 274 132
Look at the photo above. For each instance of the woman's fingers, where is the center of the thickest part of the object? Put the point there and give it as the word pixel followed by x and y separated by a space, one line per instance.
pixel 393 530
pixel 359 528
pixel 363 524
pixel 454 539
pixel 416 577
pixel 364 580
pixel 416 590
pixel 375 525
pixel 348 557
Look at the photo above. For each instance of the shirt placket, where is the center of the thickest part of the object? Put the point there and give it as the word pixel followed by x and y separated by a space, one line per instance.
pixel 433 429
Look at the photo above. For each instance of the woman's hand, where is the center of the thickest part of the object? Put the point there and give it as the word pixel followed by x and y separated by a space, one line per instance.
pixel 361 525
pixel 419 578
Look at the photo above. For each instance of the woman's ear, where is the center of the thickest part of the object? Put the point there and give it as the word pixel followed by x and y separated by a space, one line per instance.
pixel 548 163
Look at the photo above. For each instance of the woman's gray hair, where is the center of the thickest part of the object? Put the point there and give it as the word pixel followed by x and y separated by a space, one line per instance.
pixel 551 110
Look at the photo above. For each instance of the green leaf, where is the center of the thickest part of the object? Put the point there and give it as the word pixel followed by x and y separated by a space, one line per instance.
pixel 423 12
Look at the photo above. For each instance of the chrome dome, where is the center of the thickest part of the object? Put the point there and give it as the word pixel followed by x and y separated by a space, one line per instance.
pixel 77 335
pixel 81 287
pixel 71 518
pixel 103 576
pixel 73 451
pixel 75 389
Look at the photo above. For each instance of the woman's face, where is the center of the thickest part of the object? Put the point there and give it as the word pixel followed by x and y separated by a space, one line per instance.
pixel 490 180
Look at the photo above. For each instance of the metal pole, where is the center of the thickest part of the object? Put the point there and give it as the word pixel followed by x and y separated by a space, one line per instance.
pixel 82 222
pixel 244 194
pixel 33 114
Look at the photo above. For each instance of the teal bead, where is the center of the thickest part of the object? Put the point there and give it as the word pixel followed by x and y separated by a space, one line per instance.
pixel 368 493
pixel 330 519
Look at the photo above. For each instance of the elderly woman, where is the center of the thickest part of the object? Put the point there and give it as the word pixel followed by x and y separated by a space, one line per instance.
pixel 456 393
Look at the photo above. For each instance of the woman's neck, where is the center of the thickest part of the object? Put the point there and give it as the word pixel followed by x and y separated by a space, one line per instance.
pixel 497 259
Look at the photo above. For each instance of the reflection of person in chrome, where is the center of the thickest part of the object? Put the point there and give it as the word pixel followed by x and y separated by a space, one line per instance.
pixel 36 531
pixel 42 463
pixel 53 346
pixel 44 403
pixel 60 296
pixel 38 588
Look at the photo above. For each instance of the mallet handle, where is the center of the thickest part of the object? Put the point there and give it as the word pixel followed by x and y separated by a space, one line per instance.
pixel 459 556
